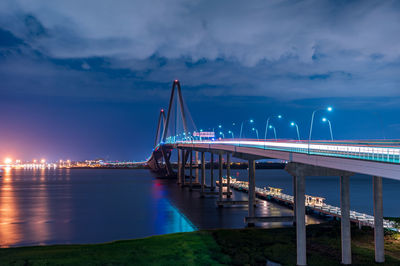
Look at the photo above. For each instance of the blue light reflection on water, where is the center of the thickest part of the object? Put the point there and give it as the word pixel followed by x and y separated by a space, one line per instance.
pixel 61 206
pixel 165 212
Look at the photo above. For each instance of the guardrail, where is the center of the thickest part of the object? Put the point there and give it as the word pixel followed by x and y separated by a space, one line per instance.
pixel 356 150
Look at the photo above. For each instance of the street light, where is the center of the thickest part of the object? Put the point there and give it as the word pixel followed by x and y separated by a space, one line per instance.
pixel 297 128
pixel 272 127
pixel 330 126
pixel 329 109
pixel 251 121
pixel 221 133
pixel 267 124
pixel 230 132
pixel 255 129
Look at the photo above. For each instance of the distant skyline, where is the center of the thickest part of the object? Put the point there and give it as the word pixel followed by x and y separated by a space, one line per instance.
pixel 83 80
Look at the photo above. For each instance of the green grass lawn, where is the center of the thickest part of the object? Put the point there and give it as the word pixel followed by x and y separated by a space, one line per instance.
pixel 213 247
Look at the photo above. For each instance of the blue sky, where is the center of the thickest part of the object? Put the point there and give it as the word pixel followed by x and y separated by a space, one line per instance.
pixel 87 79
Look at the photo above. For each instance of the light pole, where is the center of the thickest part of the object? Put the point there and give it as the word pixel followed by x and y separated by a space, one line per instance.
pixel 251 121
pixel 221 133
pixel 329 109
pixel 330 126
pixel 297 128
pixel 267 124
pixel 272 127
pixel 231 132
pixel 255 129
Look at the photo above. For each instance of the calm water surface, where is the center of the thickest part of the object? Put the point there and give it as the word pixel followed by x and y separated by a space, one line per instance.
pixel 58 206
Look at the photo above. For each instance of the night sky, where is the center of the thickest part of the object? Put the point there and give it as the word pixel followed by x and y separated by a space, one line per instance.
pixel 86 79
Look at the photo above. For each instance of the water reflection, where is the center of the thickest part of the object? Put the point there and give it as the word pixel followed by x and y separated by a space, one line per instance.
pixel 58 206
pixel 168 219
pixel 10 228
pixel 39 213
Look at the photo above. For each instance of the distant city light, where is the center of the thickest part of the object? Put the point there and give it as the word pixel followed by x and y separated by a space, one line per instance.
pixel 279 116
pixel 7 161
pixel 329 109
pixel 42 161
pixel 251 120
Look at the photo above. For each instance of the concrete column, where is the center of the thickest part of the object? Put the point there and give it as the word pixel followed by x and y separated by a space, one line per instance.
pixel 220 176
pixel 183 176
pixel 252 189
pixel 191 170
pixel 300 221
pixel 212 171
pixel 294 199
pixel 179 167
pixel 378 221
pixel 203 172
pixel 197 167
pixel 345 219
pixel 228 174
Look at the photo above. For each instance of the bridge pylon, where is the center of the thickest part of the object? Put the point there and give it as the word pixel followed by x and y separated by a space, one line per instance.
pixel 159 161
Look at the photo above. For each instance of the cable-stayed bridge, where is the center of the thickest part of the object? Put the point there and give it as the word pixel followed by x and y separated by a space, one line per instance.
pixel 304 158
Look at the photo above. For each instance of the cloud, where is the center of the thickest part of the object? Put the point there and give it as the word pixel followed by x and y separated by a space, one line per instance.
pixel 281 49
pixel 243 31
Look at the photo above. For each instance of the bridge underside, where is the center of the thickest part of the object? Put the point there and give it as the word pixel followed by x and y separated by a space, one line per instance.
pixel 159 163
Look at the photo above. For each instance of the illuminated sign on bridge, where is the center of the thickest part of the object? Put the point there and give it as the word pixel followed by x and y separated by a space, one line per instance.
pixel 204 134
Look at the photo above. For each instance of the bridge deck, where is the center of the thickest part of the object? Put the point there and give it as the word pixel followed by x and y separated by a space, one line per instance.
pixel 371 159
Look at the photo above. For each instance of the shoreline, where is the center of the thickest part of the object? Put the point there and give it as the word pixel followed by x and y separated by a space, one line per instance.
pixel 175 166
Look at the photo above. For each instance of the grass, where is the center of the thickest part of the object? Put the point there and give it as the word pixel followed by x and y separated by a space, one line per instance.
pixel 212 247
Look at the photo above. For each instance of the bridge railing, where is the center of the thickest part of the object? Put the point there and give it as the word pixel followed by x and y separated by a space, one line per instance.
pixel 357 150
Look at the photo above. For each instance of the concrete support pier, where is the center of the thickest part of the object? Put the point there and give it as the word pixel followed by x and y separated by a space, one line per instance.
pixel 203 173
pixel 294 199
pixel 300 221
pixel 179 167
pixel 299 171
pixel 191 170
pixel 183 167
pixel 220 176
pixel 345 219
pixel 378 221
pixel 228 175
pixel 196 180
pixel 212 171
pixel 252 189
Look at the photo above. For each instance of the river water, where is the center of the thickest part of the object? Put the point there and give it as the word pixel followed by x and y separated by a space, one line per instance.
pixel 61 206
